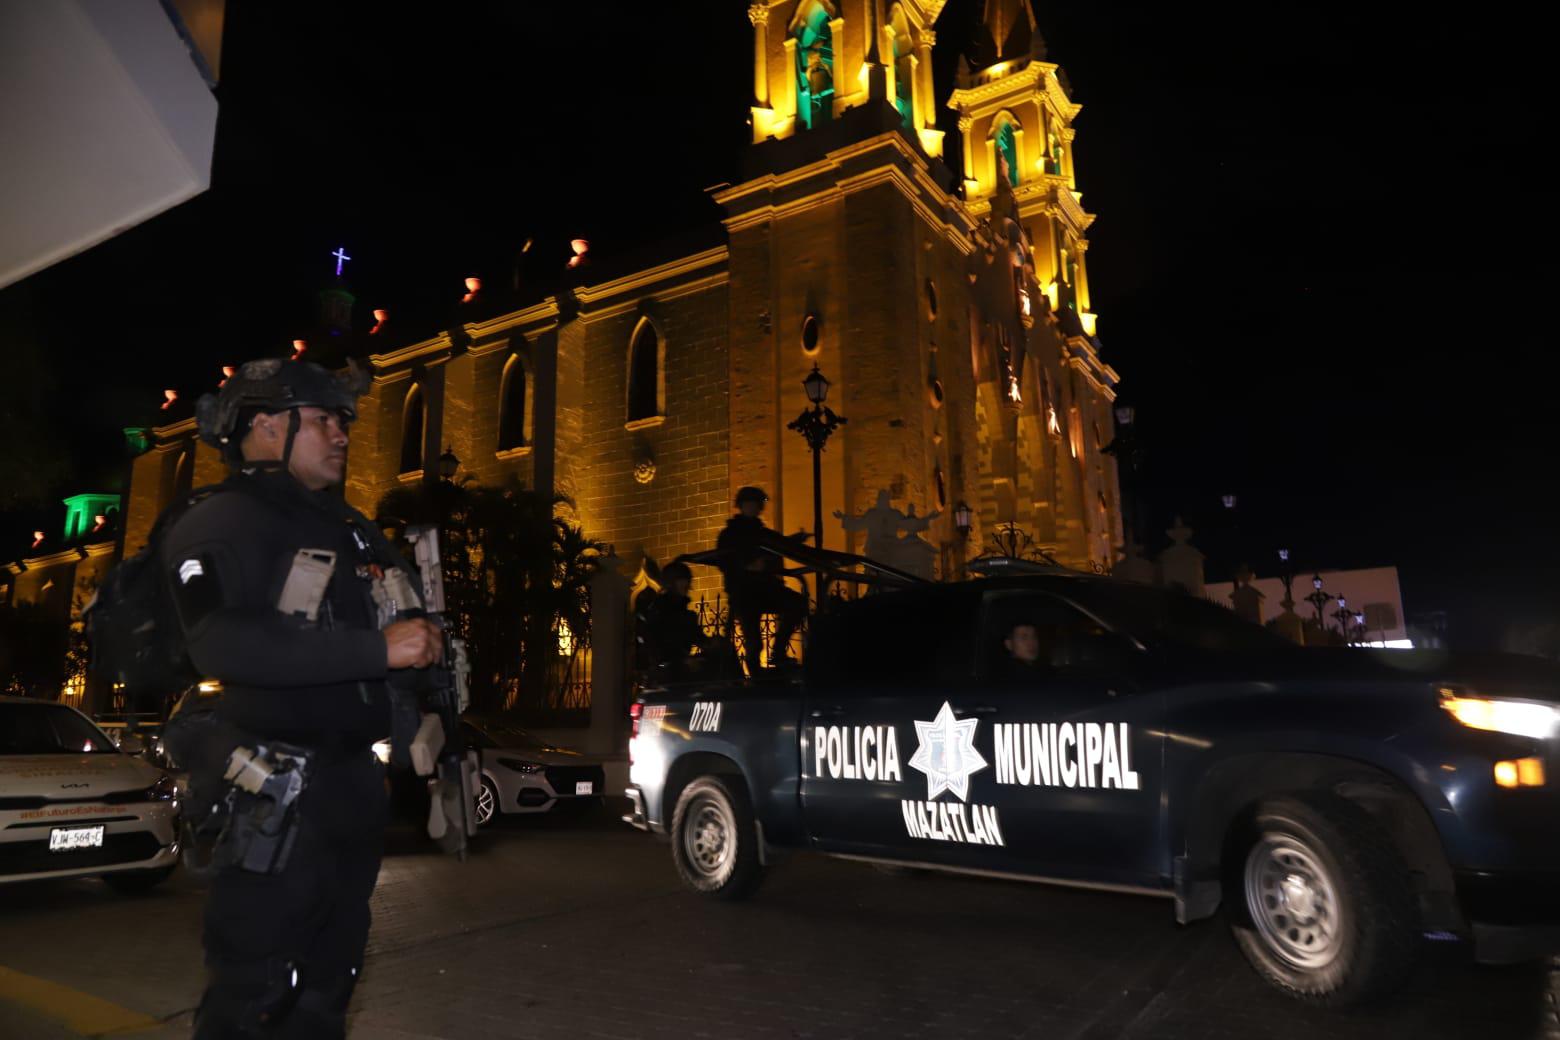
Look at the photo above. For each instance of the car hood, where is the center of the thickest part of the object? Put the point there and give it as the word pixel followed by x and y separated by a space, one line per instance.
pixel 546 755
pixel 1491 674
pixel 73 777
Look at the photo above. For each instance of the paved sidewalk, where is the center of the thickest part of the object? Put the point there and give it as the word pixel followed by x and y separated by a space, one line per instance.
pixel 574 928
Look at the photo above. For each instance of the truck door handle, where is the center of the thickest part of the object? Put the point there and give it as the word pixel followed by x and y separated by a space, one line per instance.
pixel 979 709
pixel 833 711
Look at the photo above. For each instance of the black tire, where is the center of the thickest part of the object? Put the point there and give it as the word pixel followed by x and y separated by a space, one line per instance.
pixel 487 793
pixel 1320 903
pixel 714 840
pixel 134 882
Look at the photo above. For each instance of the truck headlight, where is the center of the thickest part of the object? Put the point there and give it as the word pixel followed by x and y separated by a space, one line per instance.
pixel 1500 715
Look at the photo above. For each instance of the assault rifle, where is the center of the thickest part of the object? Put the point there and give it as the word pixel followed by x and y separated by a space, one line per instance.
pixel 439 748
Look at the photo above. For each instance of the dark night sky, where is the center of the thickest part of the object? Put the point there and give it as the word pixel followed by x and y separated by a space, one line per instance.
pixel 1321 261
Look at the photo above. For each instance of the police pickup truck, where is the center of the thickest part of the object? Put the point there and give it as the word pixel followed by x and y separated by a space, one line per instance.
pixel 1337 804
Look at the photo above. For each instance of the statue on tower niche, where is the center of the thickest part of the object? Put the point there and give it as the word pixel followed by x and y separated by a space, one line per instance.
pixel 884 526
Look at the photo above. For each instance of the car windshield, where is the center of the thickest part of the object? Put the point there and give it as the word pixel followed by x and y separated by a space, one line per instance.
pixel 1163 619
pixel 49 729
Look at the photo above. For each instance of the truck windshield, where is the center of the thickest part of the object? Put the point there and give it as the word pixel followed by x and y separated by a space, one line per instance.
pixel 1163 619
pixel 49 729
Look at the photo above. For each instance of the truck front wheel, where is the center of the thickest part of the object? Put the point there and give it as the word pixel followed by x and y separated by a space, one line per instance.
pixel 714 841
pixel 1321 904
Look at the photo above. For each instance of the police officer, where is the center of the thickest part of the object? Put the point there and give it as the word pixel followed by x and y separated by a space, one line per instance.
pixel 271 577
pixel 753 582
pixel 672 626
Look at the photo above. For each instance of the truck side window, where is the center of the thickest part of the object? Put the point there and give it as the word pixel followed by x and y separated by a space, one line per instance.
pixel 1028 635
pixel 901 640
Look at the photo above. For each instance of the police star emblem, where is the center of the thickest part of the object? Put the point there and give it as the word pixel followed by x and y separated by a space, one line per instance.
pixel 947 753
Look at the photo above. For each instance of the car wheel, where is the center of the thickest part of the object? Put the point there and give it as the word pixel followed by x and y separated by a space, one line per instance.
pixel 486 809
pixel 714 841
pixel 134 882
pixel 1320 902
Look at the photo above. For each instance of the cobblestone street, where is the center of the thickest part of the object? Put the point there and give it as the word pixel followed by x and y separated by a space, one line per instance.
pixel 577 927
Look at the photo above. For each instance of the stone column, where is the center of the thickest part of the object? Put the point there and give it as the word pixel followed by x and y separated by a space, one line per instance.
pixel 1245 598
pixel 923 69
pixel 758 14
pixel 1181 564
pixel 609 649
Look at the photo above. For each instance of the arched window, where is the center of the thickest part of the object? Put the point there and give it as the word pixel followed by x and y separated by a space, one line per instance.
pixel 814 63
pixel 1007 148
pixel 644 373
pixel 412 431
pixel 513 390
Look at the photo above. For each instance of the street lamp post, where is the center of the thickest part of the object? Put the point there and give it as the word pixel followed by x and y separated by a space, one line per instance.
pixel 1318 599
pixel 1343 615
pixel 816 425
pixel 1124 447
pixel 1288 578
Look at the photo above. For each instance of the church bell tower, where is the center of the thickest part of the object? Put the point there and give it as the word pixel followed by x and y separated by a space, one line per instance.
pixel 815 59
pixel 1016 119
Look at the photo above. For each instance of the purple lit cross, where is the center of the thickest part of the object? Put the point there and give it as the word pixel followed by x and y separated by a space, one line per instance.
pixel 341 257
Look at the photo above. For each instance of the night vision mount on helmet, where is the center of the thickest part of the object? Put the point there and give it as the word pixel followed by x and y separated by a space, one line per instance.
pixel 274 385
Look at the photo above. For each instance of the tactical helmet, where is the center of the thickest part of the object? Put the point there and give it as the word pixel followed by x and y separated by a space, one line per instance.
pixel 751 494
pixel 274 385
pixel 675 570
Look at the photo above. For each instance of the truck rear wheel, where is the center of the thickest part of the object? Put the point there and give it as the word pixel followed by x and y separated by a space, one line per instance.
pixel 714 841
pixel 1320 902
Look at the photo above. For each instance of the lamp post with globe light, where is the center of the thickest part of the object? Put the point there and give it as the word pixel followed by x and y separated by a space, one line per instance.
pixel 816 425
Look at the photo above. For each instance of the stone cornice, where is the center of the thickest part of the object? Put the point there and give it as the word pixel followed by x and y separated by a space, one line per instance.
pixel 1085 359
pixel 632 303
pixel 835 176
pixel 182 428
pixel 436 347
pixel 75 554
pixel 533 320
pixel 1039 76
pixel 635 284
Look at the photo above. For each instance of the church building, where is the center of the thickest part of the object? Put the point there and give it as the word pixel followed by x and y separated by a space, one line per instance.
pixel 945 298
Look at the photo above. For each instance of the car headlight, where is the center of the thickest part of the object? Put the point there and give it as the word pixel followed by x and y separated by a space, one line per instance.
pixel 382 751
pixel 521 767
pixel 1501 715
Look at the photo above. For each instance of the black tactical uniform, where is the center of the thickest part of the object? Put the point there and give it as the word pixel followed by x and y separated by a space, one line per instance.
pixel 753 583
pixel 284 949
pixel 670 623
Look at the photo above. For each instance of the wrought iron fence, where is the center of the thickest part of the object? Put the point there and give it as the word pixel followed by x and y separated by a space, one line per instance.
pixel 717 622
pixel 568 679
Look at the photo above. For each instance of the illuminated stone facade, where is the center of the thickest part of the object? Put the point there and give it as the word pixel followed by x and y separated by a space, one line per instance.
pixel 952 318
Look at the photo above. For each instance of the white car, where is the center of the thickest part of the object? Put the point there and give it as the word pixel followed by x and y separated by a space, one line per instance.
pixel 73 805
pixel 523 774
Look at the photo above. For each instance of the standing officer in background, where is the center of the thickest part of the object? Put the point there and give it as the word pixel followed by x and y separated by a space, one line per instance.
pixel 273 577
pixel 753 581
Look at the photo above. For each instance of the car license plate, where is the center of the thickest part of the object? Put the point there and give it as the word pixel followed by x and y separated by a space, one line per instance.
pixel 63 839
pixel 584 787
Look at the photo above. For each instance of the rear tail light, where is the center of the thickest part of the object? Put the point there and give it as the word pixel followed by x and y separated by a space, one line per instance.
pixel 634 711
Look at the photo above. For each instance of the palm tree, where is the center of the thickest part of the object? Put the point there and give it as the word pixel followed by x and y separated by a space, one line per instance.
pixel 513 569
